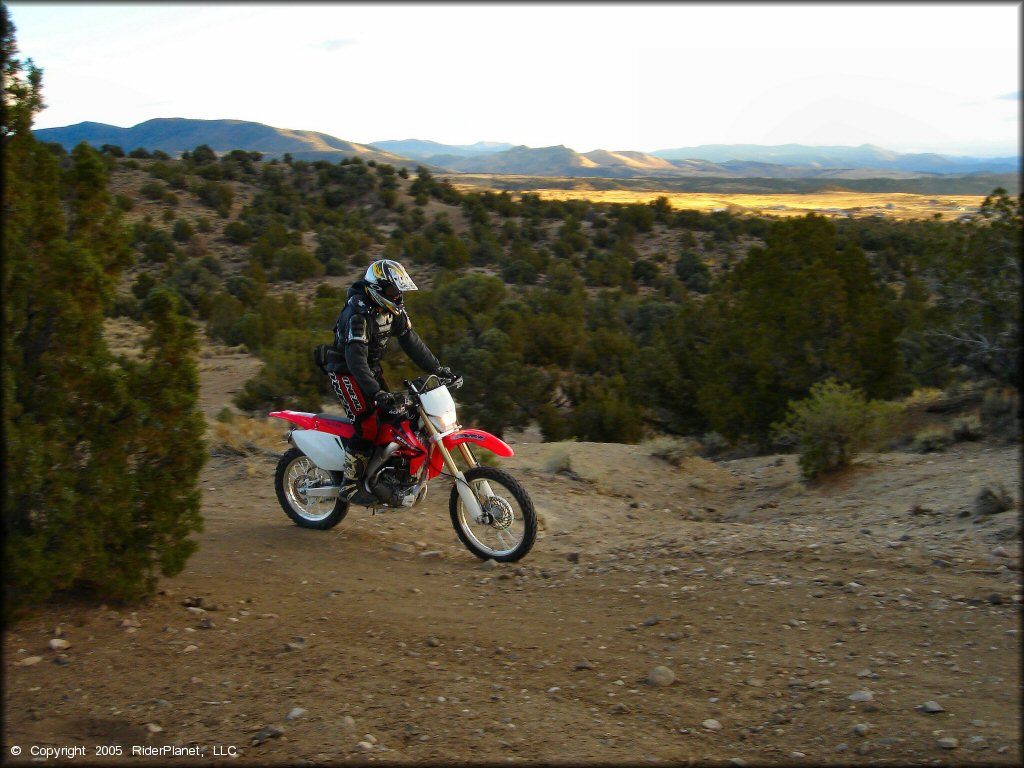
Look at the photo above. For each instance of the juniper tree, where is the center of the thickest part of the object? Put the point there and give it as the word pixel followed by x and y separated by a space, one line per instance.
pixel 792 314
pixel 81 427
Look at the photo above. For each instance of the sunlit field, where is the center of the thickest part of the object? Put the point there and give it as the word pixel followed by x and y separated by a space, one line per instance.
pixel 894 205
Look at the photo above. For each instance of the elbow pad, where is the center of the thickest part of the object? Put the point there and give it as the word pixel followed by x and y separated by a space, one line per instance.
pixel 357 330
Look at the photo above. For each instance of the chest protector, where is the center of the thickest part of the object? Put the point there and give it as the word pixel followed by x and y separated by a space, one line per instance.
pixel 361 322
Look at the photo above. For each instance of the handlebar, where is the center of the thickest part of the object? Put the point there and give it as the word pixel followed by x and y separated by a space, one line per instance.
pixel 416 385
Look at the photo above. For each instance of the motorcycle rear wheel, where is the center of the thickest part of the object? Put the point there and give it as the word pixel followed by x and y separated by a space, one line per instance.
pixel 296 471
pixel 510 526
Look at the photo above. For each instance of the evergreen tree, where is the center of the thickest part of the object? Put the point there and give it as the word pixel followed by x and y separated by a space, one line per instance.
pixel 975 319
pixel 101 454
pixel 790 315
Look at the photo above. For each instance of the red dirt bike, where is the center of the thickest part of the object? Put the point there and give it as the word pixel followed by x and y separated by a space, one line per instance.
pixel 490 511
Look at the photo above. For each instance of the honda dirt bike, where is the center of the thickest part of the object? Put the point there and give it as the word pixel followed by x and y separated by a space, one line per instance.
pixel 490 511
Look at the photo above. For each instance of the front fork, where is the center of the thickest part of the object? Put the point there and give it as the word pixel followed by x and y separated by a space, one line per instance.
pixel 469 499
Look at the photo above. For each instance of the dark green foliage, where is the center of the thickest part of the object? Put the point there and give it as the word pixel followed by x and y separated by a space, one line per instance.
pixel 790 315
pixel 974 321
pixel 238 232
pixel 203 155
pixel 216 195
pixel 182 231
pixel 502 393
pixel 296 263
pixel 645 271
pixel 159 246
pixel 288 379
pixel 694 273
pixel 213 172
pixel 603 411
pixel 102 454
pixel 832 425
pixel 154 190
pixel 194 280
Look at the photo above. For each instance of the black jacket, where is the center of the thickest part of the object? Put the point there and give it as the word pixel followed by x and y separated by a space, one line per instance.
pixel 363 331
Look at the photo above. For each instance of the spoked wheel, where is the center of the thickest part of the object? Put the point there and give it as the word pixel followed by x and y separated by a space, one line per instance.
pixel 508 526
pixel 296 476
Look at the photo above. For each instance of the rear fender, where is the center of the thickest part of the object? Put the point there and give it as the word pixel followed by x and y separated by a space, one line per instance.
pixel 495 445
pixel 317 421
pixel 299 418
pixel 319 437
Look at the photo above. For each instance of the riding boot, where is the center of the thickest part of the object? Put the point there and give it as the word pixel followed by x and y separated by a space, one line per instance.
pixel 352 489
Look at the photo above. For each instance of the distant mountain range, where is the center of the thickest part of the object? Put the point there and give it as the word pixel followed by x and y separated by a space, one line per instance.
pixel 175 135
pixel 864 156
pixel 732 161
pixel 420 149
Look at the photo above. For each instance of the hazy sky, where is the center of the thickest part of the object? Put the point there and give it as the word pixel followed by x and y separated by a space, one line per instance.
pixel 938 77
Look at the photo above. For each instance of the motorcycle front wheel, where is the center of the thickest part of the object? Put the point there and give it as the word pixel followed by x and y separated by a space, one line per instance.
pixel 507 528
pixel 296 474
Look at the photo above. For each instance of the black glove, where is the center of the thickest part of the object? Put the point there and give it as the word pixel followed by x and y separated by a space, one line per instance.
pixel 450 379
pixel 384 400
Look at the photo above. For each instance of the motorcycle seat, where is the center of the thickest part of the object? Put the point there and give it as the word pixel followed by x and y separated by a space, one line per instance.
pixel 336 419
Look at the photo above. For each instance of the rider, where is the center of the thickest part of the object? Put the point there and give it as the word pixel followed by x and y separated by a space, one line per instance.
pixel 373 313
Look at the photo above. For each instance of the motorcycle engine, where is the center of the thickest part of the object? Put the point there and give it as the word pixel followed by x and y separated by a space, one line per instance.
pixel 394 486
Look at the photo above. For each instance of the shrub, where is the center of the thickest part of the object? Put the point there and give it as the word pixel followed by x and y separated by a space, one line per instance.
pixel 296 263
pixel 558 459
pixel 287 379
pixel 670 449
pixel 159 246
pixel 554 424
pixel 645 271
pixel 182 231
pixel 832 425
pixel 154 190
pixel 245 436
pixel 998 413
pixel 713 444
pixel 238 232
pixel 932 440
pixel 967 428
pixel 218 196
pixel 693 272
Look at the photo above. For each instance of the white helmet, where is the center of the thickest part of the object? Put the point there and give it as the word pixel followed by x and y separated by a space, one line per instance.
pixel 386 281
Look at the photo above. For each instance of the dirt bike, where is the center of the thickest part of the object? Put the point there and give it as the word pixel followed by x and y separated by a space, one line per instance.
pixel 490 511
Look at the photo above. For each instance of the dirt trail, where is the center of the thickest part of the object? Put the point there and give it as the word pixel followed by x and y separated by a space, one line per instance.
pixel 799 623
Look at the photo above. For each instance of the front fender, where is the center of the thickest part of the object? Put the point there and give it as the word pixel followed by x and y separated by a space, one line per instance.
pixel 494 444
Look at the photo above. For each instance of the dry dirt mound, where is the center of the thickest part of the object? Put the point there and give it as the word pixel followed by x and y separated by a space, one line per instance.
pixel 703 612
